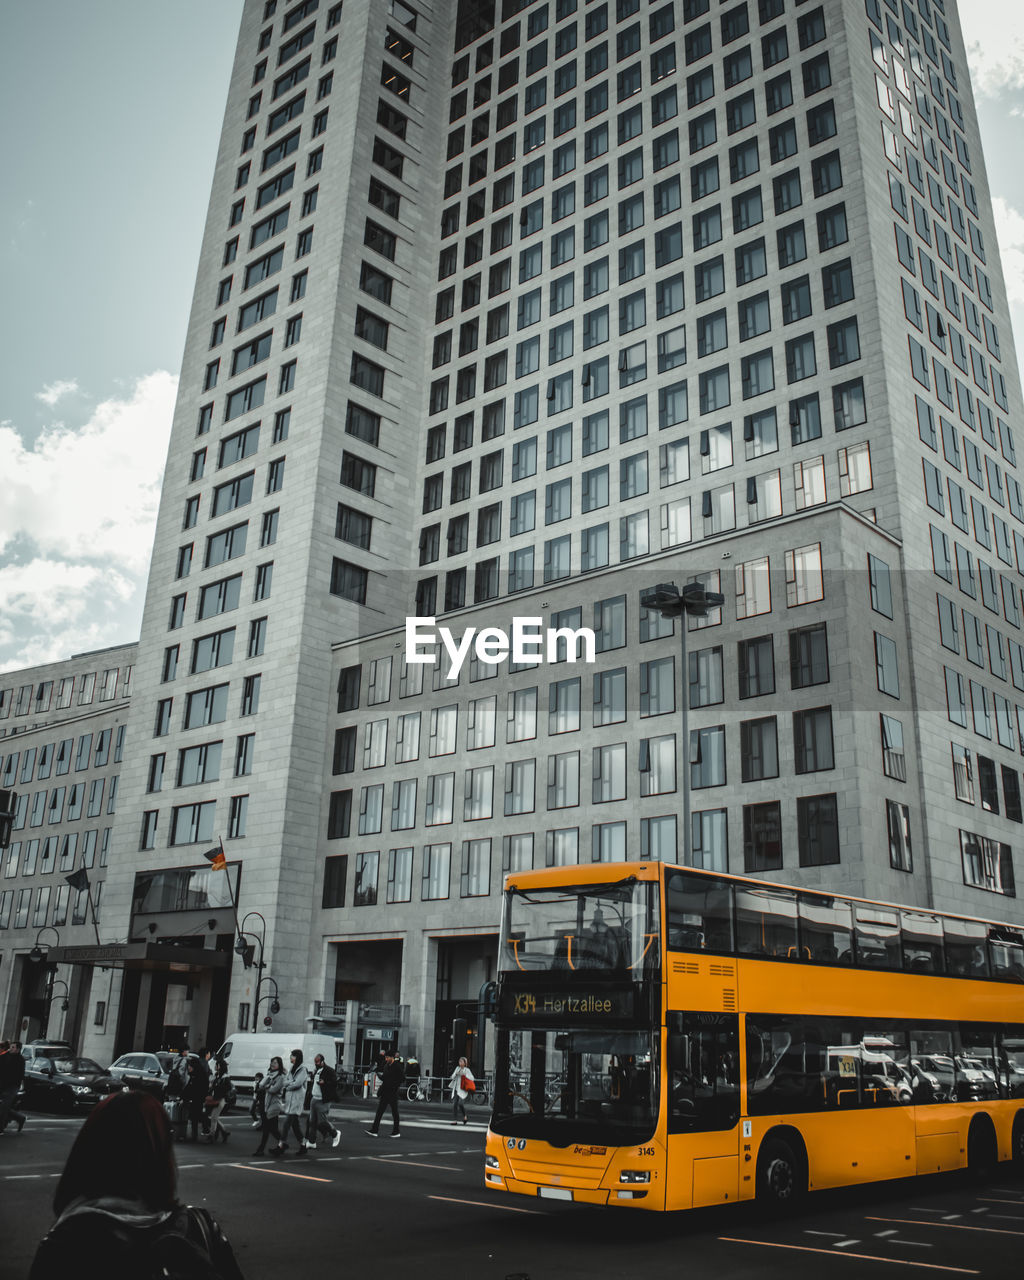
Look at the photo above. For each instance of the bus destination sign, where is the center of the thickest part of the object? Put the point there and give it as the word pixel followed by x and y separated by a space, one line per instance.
pixel 568 1006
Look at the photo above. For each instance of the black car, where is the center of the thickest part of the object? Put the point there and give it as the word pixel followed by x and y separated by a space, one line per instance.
pixel 59 1080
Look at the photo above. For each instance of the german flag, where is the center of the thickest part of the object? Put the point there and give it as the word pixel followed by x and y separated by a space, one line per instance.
pixel 216 857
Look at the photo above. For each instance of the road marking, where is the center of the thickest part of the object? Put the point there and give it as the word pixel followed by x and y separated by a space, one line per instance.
pixel 893 1235
pixel 486 1204
pixel 281 1173
pixel 416 1164
pixel 955 1226
pixel 845 1244
pixel 863 1257
pixel 832 1235
pixel 21 1177
pixel 993 1200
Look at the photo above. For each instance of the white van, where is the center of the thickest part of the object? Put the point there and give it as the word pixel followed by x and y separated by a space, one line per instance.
pixel 249 1052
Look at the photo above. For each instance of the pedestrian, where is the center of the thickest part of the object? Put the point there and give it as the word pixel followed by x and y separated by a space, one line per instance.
pixel 294 1098
pixel 194 1100
pixel 324 1091
pixel 392 1078
pixel 270 1088
pixel 177 1077
pixel 460 1093
pixel 12 1073
pixel 220 1087
pixel 257 1109
pixel 208 1063
pixel 116 1202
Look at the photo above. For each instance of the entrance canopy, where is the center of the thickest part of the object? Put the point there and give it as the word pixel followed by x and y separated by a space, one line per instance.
pixel 151 956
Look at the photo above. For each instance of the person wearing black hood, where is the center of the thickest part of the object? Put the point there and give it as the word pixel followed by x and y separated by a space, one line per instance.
pixel 117 1201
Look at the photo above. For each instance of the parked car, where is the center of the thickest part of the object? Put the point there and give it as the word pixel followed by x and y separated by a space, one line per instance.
pixel 62 1081
pixel 44 1049
pixel 151 1071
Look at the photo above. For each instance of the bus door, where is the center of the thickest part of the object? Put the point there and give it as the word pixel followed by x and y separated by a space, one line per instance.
pixel 703 1109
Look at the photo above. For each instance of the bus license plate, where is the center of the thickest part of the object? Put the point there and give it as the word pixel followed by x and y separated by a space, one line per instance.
pixel 554 1193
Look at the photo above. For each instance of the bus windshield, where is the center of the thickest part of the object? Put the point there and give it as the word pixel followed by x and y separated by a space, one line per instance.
pixel 577 1086
pixel 613 927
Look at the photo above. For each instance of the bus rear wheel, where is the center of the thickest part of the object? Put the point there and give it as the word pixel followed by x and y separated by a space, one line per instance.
pixel 982 1150
pixel 780 1175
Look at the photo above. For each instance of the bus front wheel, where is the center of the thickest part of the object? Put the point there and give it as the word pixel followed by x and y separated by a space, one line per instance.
pixel 780 1175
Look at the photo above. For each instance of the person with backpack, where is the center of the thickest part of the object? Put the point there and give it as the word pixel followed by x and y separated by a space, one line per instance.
pixel 294 1099
pixel 197 1089
pixel 270 1088
pixel 116 1201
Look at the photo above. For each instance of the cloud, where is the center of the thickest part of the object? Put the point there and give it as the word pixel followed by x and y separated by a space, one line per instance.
pixel 56 391
pixel 1010 233
pixel 76 525
pixel 995 47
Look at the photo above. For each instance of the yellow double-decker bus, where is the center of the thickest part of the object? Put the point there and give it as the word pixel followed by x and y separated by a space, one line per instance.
pixel 668 1038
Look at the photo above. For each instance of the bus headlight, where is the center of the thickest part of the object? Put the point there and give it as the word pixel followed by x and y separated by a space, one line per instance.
pixel 491 1162
pixel 635 1175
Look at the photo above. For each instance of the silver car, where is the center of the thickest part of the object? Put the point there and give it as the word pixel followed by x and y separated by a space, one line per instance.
pixel 149 1071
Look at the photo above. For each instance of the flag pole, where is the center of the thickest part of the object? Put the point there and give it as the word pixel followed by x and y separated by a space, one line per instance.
pixel 92 911
pixel 218 856
pixel 79 880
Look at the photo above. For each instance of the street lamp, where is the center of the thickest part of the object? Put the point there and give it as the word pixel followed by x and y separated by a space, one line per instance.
pixel 275 1004
pixel 64 998
pixel 243 949
pixel 37 953
pixel 693 601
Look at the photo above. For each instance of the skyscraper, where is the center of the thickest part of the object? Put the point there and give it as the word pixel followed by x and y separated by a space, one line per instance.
pixel 513 310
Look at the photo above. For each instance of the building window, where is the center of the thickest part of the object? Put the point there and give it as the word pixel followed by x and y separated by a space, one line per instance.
pixel 759 754
pixel 762 837
pixel 817 830
pixel 987 864
pixel 897 817
pixel 436 871
pixel 335 877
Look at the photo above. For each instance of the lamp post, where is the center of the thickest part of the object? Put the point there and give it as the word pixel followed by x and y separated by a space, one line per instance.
pixel 37 953
pixel 693 601
pixel 243 949
pixel 64 998
pixel 275 1004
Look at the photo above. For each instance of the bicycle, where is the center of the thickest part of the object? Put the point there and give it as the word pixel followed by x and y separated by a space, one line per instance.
pixel 481 1095
pixel 421 1089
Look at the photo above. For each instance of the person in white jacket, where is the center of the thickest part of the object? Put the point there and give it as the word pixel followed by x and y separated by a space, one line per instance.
pixel 460 1093
pixel 293 1095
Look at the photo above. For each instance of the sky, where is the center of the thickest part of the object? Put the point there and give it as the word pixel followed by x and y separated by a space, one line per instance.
pixel 107 173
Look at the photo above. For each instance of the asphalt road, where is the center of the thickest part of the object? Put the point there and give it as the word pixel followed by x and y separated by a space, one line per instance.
pixel 417 1206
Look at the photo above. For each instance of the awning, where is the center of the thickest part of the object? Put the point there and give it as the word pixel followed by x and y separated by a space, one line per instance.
pixel 141 955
